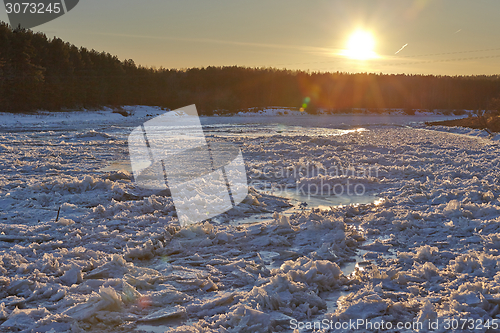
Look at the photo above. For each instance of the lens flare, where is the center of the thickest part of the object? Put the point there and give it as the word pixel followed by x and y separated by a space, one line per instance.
pixel 305 103
pixel 144 302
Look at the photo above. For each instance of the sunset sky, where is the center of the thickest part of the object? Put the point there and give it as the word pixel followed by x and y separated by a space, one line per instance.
pixel 447 37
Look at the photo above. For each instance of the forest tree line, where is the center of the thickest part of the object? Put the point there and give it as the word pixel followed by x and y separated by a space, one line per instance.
pixel 41 73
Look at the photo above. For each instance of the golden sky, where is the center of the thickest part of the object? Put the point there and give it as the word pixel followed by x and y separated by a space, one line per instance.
pixel 445 37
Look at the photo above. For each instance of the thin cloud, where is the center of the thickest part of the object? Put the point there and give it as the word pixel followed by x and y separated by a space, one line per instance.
pixel 310 49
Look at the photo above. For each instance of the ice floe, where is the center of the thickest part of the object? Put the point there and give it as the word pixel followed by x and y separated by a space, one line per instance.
pixel 82 248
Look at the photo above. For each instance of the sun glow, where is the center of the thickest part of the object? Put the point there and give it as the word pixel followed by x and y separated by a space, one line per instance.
pixel 360 46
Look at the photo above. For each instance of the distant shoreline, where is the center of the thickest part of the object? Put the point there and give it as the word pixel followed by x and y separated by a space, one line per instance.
pixel 125 111
pixel 490 123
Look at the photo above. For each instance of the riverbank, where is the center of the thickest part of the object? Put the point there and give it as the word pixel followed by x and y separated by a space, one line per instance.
pixel 489 123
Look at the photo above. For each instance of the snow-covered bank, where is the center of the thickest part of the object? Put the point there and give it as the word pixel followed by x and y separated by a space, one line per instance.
pixel 464 131
pixel 116 260
pixel 73 120
pixel 106 118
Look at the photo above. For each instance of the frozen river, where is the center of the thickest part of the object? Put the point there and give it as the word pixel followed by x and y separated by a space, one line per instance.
pixel 412 238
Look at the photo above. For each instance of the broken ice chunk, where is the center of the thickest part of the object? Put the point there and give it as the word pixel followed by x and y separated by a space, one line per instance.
pixel 72 276
pixel 176 311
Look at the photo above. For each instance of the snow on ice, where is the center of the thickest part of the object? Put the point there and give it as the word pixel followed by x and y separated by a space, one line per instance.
pixel 116 259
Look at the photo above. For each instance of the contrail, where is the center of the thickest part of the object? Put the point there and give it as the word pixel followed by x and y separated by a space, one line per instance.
pixel 401 49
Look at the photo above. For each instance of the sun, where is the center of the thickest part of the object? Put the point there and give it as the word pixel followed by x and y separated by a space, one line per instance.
pixel 360 46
